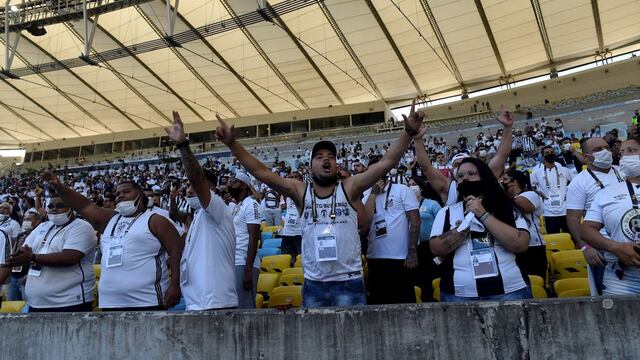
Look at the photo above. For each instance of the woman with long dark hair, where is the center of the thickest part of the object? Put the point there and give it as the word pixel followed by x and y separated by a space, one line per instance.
pixel 478 237
pixel 518 187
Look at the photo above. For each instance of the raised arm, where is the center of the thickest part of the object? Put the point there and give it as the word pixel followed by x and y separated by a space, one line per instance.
pixel 355 185
pixel 288 187
pixel 97 216
pixel 504 149
pixel 438 181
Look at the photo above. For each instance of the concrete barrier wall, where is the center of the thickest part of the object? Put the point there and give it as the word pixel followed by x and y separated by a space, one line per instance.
pixel 552 329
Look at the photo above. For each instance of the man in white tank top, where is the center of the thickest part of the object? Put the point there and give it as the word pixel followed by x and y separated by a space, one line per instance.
pixel 330 241
pixel 134 243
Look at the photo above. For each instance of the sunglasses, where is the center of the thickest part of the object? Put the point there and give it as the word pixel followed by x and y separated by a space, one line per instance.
pixel 56 206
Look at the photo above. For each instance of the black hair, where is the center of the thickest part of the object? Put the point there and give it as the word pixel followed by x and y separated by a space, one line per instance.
pixel 546 147
pixel 426 190
pixel 494 198
pixel 521 177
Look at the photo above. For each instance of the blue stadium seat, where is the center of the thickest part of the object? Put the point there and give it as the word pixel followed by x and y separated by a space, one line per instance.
pixel 271 243
pixel 267 252
pixel 267 235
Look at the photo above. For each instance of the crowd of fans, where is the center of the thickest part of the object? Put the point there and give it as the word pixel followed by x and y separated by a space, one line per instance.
pixel 417 208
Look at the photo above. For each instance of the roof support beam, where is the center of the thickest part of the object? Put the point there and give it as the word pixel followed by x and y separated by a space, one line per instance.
pixel 348 47
pixel 596 19
pixel 184 60
pixel 304 52
pixel 19 116
pixel 537 11
pixel 443 44
pixel 224 62
pixel 492 39
pixel 262 53
pixel 395 48
pixel 172 12
pixel 9 49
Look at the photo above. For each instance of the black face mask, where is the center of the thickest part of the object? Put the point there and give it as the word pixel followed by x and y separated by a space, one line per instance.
pixel 550 158
pixel 325 182
pixel 473 188
pixel 234 192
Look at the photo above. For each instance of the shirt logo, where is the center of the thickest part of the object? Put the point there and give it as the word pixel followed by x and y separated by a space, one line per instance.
pixel 630 224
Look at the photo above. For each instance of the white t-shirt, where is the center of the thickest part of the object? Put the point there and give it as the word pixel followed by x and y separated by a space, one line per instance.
pixel 534 218
pixel 609 209
pixel 11 227
pixel 464 282
pixel 5 246
pixel 553 183
pixel 583 188
pixel 165 214
pixel 62 286
pixel 207 272
pixel 394 244
pixel 292 227
pixel 245 213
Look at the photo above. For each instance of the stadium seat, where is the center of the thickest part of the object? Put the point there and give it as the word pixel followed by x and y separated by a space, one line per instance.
pixel 271 243
pixel 569 264
pixel 536 280
pixel 285 301
pixel 573 293
pixel 294 289
pixel 96 270
pixel 298 262
pixel 418 294
pixel 264 252
pixel 12 306
pixel 271 229
pixel 291 279
pixel 275 263
pixel 543 228
pixel 436 294
pixel 558 242
pixel 266 283
pixel 266 235
pixel 563 285
pixel 538 292
pixel 259 301
pixel 293 270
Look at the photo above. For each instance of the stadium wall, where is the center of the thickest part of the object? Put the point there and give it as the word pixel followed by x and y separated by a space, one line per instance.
pixel 601 328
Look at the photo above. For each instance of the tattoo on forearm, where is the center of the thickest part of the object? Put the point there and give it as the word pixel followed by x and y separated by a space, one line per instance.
pixel 191 166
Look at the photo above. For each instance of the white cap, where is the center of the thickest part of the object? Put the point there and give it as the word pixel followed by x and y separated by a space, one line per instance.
pixel 459 156
pixel 240 176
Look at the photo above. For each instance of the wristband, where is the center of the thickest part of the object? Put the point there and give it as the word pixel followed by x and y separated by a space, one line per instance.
pixel 585 247
pixel 484 217
pixel 183 144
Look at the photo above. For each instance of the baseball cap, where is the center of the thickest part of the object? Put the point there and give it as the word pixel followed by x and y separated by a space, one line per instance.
pixel 323 145
pixel 242 177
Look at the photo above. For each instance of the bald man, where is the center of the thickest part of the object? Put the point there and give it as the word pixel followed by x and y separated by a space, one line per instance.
pixel 7 224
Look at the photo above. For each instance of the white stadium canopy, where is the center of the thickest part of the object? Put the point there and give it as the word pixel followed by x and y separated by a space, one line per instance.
pixel 132 62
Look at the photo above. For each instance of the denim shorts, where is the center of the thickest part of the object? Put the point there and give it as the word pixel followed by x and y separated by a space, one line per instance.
pixel 522 294
pixel 333 293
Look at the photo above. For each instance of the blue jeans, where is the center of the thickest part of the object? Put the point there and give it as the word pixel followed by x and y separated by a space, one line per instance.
pixel 15 289
pixel 522 294
pixel 333 293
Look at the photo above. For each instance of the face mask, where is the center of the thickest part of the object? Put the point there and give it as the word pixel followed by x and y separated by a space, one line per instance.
pixel 482 153
pixel 566 147
pixel 602 159
pixel 466 188
pixel 27 225
pixel 416 190
pixel 3 217
pixel 194 202
pixel 393 172
pixel 59 219
pixel 127 208
pixel 150 203
pixel 630 165
pixel 550 158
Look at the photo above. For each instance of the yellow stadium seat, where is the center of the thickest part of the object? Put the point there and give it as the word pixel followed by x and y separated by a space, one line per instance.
pixel 293 270
pixel 563 285
pixel 436 288
pixel 418 294
pixel 558 242
pixel 12 306
pixel 285 301
pixel 275 263
pixel 536 280
pixel 436 294
pixel 538 292
pixel 294 289
pixel 271 228
pixel 569 264
pixel 266 283
pixel 543 228
pixel 291 279
pixel 259 301
pixel 298 262
pixel 96 270
pixel 575 293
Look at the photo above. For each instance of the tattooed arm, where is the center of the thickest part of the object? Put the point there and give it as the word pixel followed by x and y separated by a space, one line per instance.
pixel 448 242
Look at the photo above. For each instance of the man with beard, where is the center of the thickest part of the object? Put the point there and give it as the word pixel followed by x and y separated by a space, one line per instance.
pixel 330 241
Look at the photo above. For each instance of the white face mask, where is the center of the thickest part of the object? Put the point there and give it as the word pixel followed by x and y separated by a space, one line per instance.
pixel 416 190
pixel 567 147
pixel 194 202
pixel 603 159
pixel 3 217
pixel 393 172
pixel 482 153
pixel 27 225
pixel 630 165
pixel 59 219
pixel 127 208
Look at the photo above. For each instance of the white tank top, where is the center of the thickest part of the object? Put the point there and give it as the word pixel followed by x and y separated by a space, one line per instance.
pixel 143 277
pixel 292 227
pixel 348 264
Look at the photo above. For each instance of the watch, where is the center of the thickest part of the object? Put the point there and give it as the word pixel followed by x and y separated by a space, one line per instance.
pixel 183 144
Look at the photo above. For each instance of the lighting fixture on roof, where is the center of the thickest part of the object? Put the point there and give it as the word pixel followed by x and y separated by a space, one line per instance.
pixel 14 8
pixel 36 30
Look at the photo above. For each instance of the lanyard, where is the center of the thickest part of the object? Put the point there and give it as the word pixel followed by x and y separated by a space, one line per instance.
pixel 44 241
pixel 113 229
pixel 386 200
pixel 546 179
pixel 598 182
pixel 632 193
pixel 314 210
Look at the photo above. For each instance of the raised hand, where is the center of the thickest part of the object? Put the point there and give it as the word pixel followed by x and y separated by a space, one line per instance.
pixel 414 121
pixel 506 117
pixel 176 130
pixel 421 133
pixel 224 132
pixel 51 177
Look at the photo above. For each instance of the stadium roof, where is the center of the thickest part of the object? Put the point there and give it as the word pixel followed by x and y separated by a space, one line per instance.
pixel 227 56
